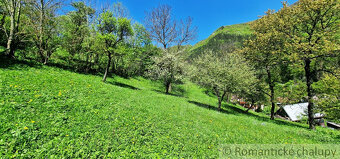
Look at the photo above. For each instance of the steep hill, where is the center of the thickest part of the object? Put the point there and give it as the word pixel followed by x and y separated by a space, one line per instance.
pixel 50 112
pixel 223 36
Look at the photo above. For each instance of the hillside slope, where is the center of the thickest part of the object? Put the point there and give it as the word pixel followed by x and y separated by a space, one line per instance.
pixel 50 112
pixel 225 35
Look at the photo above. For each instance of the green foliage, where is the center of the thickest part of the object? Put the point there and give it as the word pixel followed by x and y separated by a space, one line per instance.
pixel 77 26
pixel 309 31
pixel 255 94
pixel 3 18
pixel 328 92
pixel 43 30
pixel 224 36
pixel 113 30
pixel 293 91
pixel 222 73
pixel 264 48
pixel 134 56
pixel 312 31
pixel 78 37
pixel 49 112
pixel 301 33
pixel 21 34
pixel 228 72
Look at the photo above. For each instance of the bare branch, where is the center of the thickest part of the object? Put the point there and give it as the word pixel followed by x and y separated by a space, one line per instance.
pixel 186 31
pixel 161 26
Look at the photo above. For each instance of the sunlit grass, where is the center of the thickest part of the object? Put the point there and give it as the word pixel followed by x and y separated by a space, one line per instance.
pixel 50 112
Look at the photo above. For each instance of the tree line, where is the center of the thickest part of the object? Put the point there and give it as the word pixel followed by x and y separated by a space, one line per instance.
pixel 304 35
pixel 84 39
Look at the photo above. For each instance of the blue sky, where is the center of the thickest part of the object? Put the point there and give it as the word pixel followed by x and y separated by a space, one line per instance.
pixel 208 15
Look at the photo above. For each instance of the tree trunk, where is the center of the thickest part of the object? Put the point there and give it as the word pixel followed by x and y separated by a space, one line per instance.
pixel 107 67
pixel 41 31
pixel 249 108
pixel 90 61
pixel 168 87
pixel 10 49
pixel 87 63
pixel 113 67
pixel 46 60
pixel 96 62
pixel 309 92
pixel 272 110
pixel 252 105
pixel 272 93
pixel 228 97
pixel 14 10
pixel 48 55
pixel 220 98
pixel 219 103
pixel 41 53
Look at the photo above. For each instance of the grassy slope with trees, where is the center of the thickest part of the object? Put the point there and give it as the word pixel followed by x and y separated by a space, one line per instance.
pixel 47 111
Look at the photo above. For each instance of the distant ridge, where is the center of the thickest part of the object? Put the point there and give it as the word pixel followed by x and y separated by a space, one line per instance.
pixel 224 35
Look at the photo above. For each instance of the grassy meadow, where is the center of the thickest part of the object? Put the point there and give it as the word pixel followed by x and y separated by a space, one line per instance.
pixel 225 35
pixel 51 112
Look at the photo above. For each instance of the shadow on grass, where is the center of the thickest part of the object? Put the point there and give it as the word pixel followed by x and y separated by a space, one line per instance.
pixel 8 63
pixel 209 107
pixel 14 64
pixel 209 93
pixel 123 85
pixel 176 90
pixel 229 109
pixel 81 68
pixel 171 94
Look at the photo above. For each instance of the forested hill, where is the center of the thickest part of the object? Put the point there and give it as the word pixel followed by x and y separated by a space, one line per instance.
pixel 221 38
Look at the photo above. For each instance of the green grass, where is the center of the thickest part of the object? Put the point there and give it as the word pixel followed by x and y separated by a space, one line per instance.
pixel 226 34
pixel 2 50
pixel 50 112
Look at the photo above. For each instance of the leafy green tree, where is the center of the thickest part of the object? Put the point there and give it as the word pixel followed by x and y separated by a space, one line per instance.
pixel 135 54
pixel 328 92
pixel 222 73
pixel 3 16
pixel 264 51
pixel 43 26
pixel 309 29
pixel 112 32
pixel 90 49
pixel 13 9
pixel 77 29
pixel 291 92
pixel 255 93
